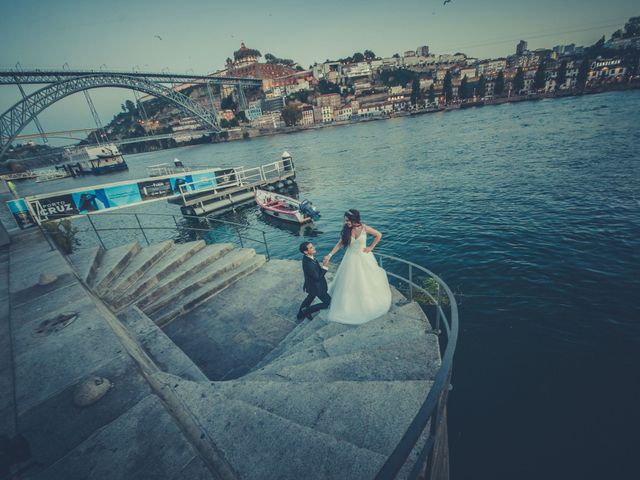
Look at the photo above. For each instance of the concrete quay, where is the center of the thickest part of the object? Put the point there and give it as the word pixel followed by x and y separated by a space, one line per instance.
pixel 210 374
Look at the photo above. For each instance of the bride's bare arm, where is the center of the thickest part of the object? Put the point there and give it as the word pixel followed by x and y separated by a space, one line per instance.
pixel 337 247
pixel 376 238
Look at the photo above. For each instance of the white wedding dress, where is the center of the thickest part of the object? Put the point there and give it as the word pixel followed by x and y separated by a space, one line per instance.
pixel 360 290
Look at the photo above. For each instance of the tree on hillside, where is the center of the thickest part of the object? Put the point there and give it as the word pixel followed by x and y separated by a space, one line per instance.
pixel 227 103
pixel 481 89
pixel 583 73
pixel 518 81
pixel 464 90
pixel 539 79
pixel 396 55
pixel 498 87
pixel 432 94
pixel 272 59
pixel 632 27
pixel 131 107
pixel 561 77
pixel 397 76
pixel 357 57
pixel 369 55
pixel 325 86
pixel 291 115
pixel 415 92
pixel 447 87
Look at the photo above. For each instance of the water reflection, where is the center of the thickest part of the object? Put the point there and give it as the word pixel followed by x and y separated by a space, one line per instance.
pixel 297 230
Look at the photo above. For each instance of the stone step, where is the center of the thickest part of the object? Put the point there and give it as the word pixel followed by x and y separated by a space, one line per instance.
pixel 417 359
pixel 86 262
pixel 209 283
pixel 261 445
pixel 173 259
pixel 370 415
pixel 166 355
pixel 408 316
pixel 210 256
pixel 344 344
pixel 113 263
pixel 308 327
pixel 142 262
pixel 319 320
pixel 283 345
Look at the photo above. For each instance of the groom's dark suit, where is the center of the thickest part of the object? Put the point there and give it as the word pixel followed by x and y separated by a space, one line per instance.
pixel 315 285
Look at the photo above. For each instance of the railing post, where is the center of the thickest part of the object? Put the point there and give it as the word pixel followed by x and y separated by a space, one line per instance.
pixel 175 220
pixel 438 309
pixel 142 229
pixel 96 232
pixel 239 237
pixel 410 283
pixel 266 245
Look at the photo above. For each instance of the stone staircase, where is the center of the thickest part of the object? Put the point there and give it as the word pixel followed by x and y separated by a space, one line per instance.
pixel 320 400
pixel 166 279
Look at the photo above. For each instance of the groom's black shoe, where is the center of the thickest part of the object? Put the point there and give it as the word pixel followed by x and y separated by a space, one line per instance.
pixel 304 313
pixel 300 315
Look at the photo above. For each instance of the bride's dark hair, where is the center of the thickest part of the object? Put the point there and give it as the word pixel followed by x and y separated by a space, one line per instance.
pixel 353 216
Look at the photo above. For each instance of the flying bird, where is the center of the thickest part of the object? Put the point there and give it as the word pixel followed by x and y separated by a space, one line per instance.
pixel 160 38
pixel 445 2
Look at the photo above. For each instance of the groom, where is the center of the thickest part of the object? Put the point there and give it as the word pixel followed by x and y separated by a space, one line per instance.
pixel 314 282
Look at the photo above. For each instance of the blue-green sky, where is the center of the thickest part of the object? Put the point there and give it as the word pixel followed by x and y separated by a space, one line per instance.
pixel 198 35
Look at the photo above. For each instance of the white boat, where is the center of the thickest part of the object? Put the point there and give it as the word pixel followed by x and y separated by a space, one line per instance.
pixel 286 208
pixel 97 159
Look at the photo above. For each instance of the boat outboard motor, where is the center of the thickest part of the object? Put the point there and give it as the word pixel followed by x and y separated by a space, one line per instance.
pixel 178 163
pixel 307 208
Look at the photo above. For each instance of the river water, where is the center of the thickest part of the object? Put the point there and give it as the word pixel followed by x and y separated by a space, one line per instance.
pixel 531 213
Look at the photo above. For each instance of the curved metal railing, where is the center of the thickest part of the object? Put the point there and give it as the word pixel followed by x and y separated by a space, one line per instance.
pixel 238 227
pixel 432 460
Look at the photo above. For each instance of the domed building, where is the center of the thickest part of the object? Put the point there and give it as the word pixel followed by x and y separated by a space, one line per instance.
pixel 246 63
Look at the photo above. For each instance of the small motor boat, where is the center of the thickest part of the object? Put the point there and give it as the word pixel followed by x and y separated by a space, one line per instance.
pixel 286 208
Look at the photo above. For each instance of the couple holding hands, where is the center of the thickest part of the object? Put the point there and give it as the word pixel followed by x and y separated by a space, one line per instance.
pixel 360 290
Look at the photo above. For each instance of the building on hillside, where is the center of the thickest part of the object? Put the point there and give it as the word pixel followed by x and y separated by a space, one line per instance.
pixel 292 81
pixel 227 115
pixel 491 67
pixel 268 120
pixel 469 72
pixel 254 110
pixel 307 115
pixel 422 51
pixel 343 113
pixel 274 104
pixel 329 99
pixel 246 64
pixel 609 70
pixel 521 48
pixel 361 69
pixel 326 113
pixel 322 70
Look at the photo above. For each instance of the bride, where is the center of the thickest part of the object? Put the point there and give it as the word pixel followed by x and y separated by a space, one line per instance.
pixel 360 290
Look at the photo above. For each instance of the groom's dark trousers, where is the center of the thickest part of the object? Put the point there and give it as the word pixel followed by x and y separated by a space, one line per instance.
pixel 315 285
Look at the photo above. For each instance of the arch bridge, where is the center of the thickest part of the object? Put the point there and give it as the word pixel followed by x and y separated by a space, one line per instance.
pixel 62 83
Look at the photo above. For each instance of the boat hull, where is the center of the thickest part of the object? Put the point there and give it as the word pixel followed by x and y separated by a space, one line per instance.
pixel 292 218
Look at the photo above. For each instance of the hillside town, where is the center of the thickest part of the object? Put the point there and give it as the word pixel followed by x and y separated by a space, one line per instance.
pixel 366 86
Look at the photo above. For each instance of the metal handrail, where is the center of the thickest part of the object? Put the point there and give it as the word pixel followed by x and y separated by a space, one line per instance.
pixel 208 218
pixel 433 407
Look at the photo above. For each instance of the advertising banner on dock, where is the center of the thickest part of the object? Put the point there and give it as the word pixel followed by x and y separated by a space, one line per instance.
pixel 21 214
pixel 117 195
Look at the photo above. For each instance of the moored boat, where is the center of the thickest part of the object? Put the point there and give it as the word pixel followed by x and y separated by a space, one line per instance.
pixel 96 160
pixel 286 208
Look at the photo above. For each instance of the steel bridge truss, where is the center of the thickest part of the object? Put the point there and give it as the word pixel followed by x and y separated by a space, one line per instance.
pixel 16 118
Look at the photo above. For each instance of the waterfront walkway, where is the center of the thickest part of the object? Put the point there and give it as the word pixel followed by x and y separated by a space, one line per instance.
pixel 233 389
